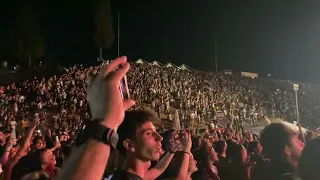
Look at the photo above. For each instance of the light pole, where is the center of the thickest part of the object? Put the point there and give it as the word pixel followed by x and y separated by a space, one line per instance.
pixel 296 88
pixel 215 51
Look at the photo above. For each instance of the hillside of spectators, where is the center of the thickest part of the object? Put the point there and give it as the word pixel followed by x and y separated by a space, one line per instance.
pixel 199 97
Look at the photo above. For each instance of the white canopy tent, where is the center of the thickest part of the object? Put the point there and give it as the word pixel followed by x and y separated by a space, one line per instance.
pixel 184 67
pixel 156 63
pixel 170 65
pixel 141 61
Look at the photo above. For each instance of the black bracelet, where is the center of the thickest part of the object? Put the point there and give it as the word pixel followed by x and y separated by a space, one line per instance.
pixel 186 152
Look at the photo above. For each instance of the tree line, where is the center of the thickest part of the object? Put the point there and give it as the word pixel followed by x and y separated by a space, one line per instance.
pixel 28 37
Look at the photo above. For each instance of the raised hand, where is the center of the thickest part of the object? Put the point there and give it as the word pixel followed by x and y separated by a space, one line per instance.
pixel 36 123
pixel 176 146
pixel 103 94
pixel 11 143
pixel 57 145
pixel 188 142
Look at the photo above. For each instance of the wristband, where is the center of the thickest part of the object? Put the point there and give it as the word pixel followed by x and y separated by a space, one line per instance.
pixel 186 152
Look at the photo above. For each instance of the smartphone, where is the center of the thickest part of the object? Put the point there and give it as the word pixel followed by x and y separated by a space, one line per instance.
pixel 39 132
pixel 182 138
pixel 14 134
pixel 57 138
pixel 124 86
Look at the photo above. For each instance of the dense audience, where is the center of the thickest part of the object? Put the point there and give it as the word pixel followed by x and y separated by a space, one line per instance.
pixel 204 96
pixel 41 120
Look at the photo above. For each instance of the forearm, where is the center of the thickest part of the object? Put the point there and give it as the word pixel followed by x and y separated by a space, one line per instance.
pixel 53 149
pixel 247 173
pixel 28 138
pixel 88 162
pixel 184 167
pixel 4 158
pixel 161 166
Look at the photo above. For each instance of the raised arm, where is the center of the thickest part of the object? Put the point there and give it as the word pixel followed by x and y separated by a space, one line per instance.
pixel 26 143
pixel 57 145
pixel 185 162
pixel 162 165
pixel 5 156
pixel 21 152
pixel 88 162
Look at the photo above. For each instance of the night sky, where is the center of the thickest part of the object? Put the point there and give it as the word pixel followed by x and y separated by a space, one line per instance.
pixel 276 37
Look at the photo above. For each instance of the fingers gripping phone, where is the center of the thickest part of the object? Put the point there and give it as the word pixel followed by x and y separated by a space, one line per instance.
pixel 124 90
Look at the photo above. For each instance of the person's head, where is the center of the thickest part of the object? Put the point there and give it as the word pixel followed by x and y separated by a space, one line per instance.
pixel 281 143
pixel 309 162
pixel 238 154
pixel 37 143
pixel 169 137
pixel 207 139
pixel 203 132
pixel 195 143
pixel 175 165
pixel 44 160
pixel 230 147
pixel 221 147
pixel 254 147
pixel 138 137
pixel 206 157
pixel 47 159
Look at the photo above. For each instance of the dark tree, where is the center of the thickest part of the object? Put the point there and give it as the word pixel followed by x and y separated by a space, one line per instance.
pixel 103 31
pixel 28 40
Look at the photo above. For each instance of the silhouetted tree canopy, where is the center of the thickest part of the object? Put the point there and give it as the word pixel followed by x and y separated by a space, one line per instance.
pixel 28 39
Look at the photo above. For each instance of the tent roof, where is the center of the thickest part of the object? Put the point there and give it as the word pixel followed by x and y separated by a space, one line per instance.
pixel 140 61
pixel 184 67
pixel 156 63
pixel 171 65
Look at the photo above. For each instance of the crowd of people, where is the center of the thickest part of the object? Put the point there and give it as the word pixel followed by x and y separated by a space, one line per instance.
pixel 200 96
pixel 41 118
